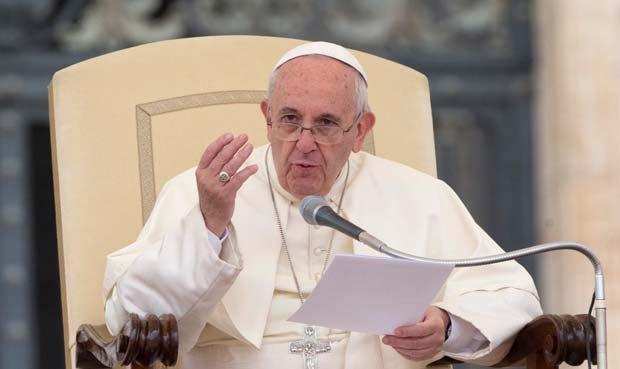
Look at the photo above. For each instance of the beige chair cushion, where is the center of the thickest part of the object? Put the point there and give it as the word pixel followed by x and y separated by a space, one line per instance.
pixel 124 123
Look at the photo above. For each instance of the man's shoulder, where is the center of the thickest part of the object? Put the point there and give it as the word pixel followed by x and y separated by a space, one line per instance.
pixel 182 184
pixel 390 171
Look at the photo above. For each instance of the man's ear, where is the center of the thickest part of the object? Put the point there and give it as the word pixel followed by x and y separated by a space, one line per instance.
pixel 367 121
pixel 264 107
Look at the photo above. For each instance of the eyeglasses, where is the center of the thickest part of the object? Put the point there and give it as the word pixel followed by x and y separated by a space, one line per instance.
pixel 326 134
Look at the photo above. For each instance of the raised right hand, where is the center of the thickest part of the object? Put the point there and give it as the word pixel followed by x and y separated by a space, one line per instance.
pixel 217 199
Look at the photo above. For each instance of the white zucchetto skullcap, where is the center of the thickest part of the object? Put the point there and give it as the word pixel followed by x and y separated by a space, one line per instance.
pixel 323 48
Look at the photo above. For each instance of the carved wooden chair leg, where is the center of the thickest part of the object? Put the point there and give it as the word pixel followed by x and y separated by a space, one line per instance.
pixel 548 341
pixel 551 340
pixel 142 343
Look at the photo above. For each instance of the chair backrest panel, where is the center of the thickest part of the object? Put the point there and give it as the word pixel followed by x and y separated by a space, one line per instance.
pixel 124 123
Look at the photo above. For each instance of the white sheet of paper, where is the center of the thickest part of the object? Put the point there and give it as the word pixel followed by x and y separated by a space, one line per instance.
pixel 372 294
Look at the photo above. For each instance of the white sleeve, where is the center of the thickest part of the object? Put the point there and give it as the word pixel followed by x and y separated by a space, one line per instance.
pixel 181 274
pixel 464 337
pixel 216 241
pixel 486 335
pixel 497 300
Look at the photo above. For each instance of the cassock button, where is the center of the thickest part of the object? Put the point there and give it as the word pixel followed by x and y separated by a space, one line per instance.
pixel 317 276
pixel 318 251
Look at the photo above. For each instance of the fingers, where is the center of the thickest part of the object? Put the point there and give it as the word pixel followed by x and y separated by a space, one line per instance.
pixel 213 149
pixel 434 320
pixel 416 348
pixel 418 355
pixel 225 155
pixel 413 343
pixel 239 179
pixel 421 340
pixel 220 151
pixel 240 157
pixel 418 330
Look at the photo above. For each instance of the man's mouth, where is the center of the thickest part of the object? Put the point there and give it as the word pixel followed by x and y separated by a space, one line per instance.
pixel 304 165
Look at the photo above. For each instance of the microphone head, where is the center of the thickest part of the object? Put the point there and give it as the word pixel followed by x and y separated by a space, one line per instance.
pixel 309 206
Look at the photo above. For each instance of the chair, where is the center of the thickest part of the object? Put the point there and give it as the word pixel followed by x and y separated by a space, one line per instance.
pixel 124 123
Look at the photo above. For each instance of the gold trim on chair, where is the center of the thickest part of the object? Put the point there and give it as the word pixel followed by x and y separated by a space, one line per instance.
pixel 145 112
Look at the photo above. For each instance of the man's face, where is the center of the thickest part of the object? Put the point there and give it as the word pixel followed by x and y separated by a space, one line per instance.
pixel 312 90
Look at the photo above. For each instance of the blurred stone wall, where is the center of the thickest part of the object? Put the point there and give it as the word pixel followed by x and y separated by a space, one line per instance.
pixel 578 152
pixel 476 53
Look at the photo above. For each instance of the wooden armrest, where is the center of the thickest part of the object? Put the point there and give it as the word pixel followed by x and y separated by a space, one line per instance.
pixel 141 343
pixel 546 342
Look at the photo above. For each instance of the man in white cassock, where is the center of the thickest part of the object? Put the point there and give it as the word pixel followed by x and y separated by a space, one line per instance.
pixel 227 252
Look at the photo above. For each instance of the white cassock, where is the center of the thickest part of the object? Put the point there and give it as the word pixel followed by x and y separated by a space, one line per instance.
pixel 232 306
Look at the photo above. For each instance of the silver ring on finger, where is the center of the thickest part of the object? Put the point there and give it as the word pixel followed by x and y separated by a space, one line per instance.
pixel 224 177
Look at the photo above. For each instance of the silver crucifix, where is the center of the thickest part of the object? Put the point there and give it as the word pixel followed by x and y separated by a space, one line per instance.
pixel 309 347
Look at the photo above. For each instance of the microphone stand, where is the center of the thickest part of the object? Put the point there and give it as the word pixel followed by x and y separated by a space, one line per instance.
pixel 599 285
pixel 315 210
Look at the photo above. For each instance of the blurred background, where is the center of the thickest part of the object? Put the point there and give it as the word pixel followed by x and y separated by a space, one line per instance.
pixel 525 98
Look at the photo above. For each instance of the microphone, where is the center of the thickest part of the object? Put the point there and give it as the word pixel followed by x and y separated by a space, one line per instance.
pixel 315 210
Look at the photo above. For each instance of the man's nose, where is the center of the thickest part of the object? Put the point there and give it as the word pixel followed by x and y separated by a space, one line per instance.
pixel 306 142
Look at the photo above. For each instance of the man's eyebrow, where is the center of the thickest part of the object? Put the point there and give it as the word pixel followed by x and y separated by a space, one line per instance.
pixel 330 116
pixel 287 110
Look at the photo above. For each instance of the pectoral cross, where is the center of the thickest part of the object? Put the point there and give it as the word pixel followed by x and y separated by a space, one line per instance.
pixel 309 347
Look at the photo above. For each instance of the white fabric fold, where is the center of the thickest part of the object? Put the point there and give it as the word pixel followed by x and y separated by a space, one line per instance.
pixel 464 337
pixel 178 260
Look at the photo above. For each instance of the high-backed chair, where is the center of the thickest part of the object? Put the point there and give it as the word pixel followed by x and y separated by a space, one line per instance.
pixel 124 123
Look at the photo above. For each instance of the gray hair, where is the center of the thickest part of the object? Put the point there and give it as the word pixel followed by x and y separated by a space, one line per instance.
pixel 359 88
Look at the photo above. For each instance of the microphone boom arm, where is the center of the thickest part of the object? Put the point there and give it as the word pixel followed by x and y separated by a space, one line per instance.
pixel 315 210
pixel 599 281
